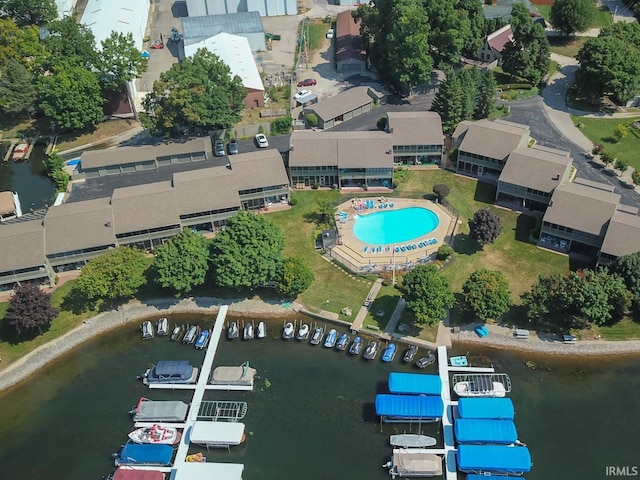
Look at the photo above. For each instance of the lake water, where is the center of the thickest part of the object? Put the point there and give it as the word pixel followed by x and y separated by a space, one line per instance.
pixel 311 414
pixel 29 179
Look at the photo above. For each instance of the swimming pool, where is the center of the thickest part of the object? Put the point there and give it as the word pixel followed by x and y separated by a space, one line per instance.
pixel 395 226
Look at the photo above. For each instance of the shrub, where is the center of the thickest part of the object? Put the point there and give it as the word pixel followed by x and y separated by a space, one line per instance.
pixel 606 158
pixel 312 119
pixel 382 123
pixel 293 201
pixel 281 126
pixel 441 190
pixel 315 185
pixel 444 252
pixel 635 176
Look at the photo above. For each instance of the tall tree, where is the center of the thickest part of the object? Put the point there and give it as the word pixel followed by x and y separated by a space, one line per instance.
pixel 248 252
pixel 450 30
pixel 29 12
pixel 119 61
pixel 487 294
pixel 293 277
pixel 528 56
pixel 71 97
pixel 486 96
pixel 441 190
pixel 196 95
pixel 17 90
pixel 71 42
pixel 628 268
pixel 326 210
pixel 30 309
pixel 448 102
pixel 182 262
pixel 571 16
pixel 20 44
pixel 116 274
pixel 485 226
pixel 427 293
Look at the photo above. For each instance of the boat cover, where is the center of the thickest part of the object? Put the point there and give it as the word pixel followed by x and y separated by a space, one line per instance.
pixel 173 368
pixel 474 476
pixel 164 411
pixel 127 473
pixel 409 407
pixel 216 433
pixel 471 430
pixel 207 471
pixel 415 383
pixel 145 453
pixel 411 464
pixel 241 375
pixel 487 408
pixel 501 459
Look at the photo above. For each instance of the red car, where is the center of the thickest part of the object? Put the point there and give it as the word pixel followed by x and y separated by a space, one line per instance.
pixel 307 82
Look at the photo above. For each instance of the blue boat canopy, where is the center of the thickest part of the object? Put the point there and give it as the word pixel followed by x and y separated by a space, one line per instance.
pixel 487 408
pixel 408 407
pixel 474 476
pixel 145 454
pixel 485 431
pixel 499 459
pixel 415 384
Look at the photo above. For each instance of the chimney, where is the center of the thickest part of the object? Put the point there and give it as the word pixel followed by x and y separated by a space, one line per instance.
pixel 557 177
pixel 107 223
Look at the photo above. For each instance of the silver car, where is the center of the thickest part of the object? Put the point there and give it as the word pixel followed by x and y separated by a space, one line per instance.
pixel 261 140
pixel 218 149
pixel 233 147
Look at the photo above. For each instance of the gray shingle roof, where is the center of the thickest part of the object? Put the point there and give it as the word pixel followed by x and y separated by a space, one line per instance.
pixel 196 29
pixel 204 190
pixel 21 245
pixel 144 207
pixel 75 226
pixel 415 128
pixel 582 208
pixel 341 103
pixel 344 149
pixel 623 235
pixel 493 139
pixel 538 168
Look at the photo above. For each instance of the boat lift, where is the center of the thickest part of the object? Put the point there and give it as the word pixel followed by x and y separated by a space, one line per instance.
pixel 482 379
pixel 216 410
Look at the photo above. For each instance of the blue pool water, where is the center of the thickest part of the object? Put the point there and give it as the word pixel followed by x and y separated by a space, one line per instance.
pixel 395 226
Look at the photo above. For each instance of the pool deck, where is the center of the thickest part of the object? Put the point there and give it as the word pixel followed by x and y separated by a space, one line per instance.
pixel 351 250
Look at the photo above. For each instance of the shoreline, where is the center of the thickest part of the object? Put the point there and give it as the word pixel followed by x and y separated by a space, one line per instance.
pixel 28 365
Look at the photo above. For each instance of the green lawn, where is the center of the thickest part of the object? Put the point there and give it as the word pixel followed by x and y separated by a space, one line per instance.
pixel 600 130
pixel 569 47
pixel 317 33
pixel 545 11
pixel 602 18
pixel 624 330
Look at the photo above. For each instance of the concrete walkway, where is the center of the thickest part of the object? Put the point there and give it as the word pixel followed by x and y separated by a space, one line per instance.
pixel 356 326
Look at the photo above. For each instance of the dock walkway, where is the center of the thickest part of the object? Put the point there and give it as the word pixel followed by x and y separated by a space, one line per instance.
pixel 356 326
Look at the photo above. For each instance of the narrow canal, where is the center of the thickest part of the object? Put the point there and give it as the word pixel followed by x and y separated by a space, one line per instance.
pixel 311 414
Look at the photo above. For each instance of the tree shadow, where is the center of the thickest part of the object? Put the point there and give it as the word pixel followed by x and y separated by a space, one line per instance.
pixel 9 334
pixel 314 217
pixel 464 244
pixel 485 193
pixel 76 302
pixel 525 224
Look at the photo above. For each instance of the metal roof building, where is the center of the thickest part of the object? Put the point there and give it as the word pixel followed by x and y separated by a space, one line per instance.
pixel 266 8
pixel 196 29
pixel 123 16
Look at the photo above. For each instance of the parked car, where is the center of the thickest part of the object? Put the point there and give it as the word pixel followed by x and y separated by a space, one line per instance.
pixel 330 33
pixel 218 148
pixel 233 147
pixel 301 94
pixel 261 140
pixel 307 82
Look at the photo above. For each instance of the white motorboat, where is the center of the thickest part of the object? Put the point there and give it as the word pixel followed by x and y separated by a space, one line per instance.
pixel 262 330
pixel 247 333
pixel 191 334
pixel 332 337
pixel 371 351
pixel 411 440
pixel 162 327
pixel 178 330
pixel 233 331
pixel 316 338
pixel 156 434
pixel 303 332
pixel 146 330
pixel 343 342
pixel 479 389
pixel 288 331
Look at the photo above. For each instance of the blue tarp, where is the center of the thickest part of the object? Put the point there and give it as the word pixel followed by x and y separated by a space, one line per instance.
pixel 408 407
pixel 485 431
pixel 488 477
pixel 415 383
pixel 500 459
pixel 147 454
pixel 488 408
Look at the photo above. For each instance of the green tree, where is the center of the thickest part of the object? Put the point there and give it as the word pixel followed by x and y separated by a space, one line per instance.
pixel 487 294
pixel 427 293
pixel 326 210
pixel 29 12
pixel 119 61
pixel 116 274
pixel 571 16
pixel 30 309
pixel 486 96
pixel 620 132
pixel 182 262
pixel 528 56
pixel 610 63
pixel 485 226
pixel 542 300
pixel 621 165
pixel 196 96
pixel 293 277
pixel 448 102
pixel 56 171
pixel 70 42
pixel 248 252
pixel 17 90
pixel 441 190
pixel 627 267
pixel 21 44
pixel 71 97
pixel 312 119
pixel 469 82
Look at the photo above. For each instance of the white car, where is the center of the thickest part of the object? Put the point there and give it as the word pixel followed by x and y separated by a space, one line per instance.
pixel 330 33
pixel 301 94
pixel 261 140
